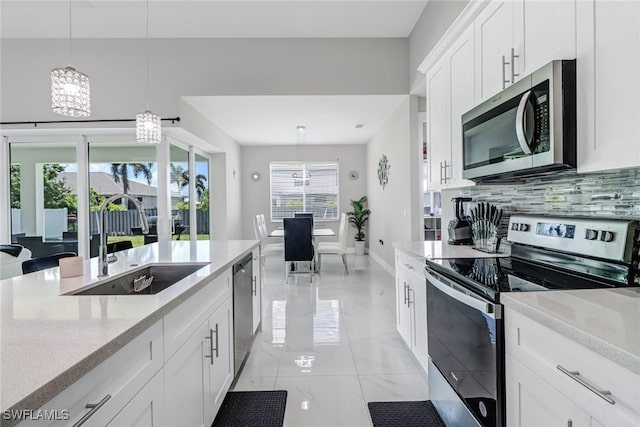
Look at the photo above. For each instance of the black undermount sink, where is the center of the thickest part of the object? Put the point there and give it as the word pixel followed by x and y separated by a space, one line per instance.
pixel 146 280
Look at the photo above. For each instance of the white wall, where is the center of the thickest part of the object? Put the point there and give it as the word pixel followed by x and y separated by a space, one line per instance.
pixel 182 67
pixel 436 18
pixel 256 194
pixel 224 174
pixel 395 214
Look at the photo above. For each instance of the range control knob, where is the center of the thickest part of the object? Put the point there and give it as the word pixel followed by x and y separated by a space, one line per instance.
pixel 606 236
pixel 591 234
pixel 514 226
pixel 524 227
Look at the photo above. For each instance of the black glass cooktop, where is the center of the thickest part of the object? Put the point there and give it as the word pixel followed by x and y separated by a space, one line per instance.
pixel 490 276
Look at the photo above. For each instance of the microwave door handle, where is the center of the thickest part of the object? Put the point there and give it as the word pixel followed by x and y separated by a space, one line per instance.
pixel 485 307
pixel 521 117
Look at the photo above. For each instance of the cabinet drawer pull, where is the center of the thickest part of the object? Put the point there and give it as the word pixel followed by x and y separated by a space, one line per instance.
pixel 409 266
pixel 575 375
pixel 94 408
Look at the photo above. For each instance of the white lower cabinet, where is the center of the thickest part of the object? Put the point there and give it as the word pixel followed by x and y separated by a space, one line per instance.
pixel 534 403
pixel 186 382
pixel 199 374
pixel 103 392
pixel 145 409
pixel 411 305
pixel 554 381
pixel 221 368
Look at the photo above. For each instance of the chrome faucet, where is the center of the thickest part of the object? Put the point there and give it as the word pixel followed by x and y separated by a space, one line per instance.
pixel 103 260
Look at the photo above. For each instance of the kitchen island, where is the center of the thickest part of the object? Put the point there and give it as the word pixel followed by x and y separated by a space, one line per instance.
pixel 51 340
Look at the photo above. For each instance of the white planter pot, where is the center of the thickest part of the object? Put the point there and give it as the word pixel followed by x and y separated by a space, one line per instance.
pixel 359 247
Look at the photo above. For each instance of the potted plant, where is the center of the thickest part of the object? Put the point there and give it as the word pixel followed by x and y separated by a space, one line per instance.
pixel 358 218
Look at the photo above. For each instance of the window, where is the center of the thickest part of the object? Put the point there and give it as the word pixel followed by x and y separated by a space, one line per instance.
pixel 304 187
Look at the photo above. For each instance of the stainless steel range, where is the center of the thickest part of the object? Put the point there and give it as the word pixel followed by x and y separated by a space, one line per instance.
pixel 464 314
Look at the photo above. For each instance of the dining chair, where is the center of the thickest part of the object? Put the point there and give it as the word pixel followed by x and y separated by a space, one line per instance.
pixel 41 263
pixel 119 246
pixel 336 248
pixel 266 248
pixel 70 235
pixel 298 244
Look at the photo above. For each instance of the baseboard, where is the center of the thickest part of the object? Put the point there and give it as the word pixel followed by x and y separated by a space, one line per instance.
pixel 382 263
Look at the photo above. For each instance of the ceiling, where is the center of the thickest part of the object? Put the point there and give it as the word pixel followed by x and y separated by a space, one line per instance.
pixel 250 120
pixel 210 18
pixel 272 120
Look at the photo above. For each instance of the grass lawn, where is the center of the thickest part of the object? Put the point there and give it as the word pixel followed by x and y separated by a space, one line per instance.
pixel 139 240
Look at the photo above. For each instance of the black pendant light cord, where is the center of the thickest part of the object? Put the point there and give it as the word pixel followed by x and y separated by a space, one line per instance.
pixel 173 120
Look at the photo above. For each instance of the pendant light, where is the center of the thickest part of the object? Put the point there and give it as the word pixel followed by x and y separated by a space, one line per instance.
pixel 148 129
pixel 301 140
pixel 70 89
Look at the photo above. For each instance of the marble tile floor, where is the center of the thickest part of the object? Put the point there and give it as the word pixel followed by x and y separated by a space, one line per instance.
pixel 332 344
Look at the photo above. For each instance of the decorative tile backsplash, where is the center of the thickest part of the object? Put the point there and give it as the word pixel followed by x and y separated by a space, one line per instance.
pixel 613 194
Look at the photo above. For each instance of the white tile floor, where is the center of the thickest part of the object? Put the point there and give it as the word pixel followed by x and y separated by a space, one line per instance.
pixel 332 344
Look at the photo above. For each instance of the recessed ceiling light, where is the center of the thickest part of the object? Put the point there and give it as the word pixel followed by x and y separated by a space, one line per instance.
pixel 359 125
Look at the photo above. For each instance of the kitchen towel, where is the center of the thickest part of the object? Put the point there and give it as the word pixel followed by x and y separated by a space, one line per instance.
pixel 404 414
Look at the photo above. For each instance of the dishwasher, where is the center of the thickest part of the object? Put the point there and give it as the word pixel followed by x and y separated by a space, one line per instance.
pixel 242 310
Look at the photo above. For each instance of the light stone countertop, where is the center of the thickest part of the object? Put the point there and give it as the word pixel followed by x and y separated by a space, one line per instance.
pixel 48 340
pixel 441 250
pixel 606 321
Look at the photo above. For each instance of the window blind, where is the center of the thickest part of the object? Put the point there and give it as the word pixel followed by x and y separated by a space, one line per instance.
pixel 304 187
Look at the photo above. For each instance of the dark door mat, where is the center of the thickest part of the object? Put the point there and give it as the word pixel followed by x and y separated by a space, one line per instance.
pixel 404 414
pixel 252 408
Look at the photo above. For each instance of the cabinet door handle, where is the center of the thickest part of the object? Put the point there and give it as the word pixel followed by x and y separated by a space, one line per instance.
pixel 216 349
pixel 445 171
pixel 513 65
pixel 575 375
pixel 253 286
pixel 409 266
pixel 441 167
pixel 94 408
pixel 210 338
pixel 409 302
pixel 405 292
pixel 569 423
pixel 504 74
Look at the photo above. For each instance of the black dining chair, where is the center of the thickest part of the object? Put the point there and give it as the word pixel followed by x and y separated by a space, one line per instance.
pixel 298 243
pixel 41 263
pixel 35 244
pixel 304 215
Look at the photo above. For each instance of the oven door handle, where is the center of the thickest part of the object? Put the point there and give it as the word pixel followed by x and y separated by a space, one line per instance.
pixel 460 293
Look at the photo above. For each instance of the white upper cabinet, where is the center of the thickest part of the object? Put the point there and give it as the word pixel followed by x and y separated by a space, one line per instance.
pixel 462 90
pixel 494 31
pixel 450 93
pixel 438 128
pixel 515 38
pixel 608 88
pixel 544 31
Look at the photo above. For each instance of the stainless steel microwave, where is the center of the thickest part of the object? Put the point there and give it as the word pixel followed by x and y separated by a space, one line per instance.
pixel 527 129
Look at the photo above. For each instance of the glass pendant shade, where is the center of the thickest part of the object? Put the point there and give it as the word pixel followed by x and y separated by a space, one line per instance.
pixel 70 92
pixel 148 129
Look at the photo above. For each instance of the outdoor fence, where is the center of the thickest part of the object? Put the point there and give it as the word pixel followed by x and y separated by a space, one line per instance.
pixel 121 222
